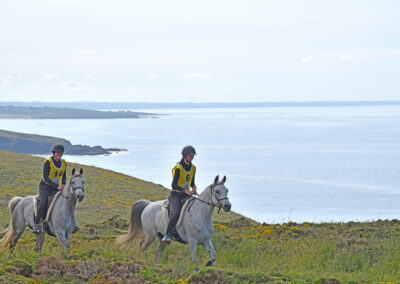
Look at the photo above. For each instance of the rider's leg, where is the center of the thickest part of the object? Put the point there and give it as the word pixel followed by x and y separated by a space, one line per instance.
pixel 175 206
pixel 44 193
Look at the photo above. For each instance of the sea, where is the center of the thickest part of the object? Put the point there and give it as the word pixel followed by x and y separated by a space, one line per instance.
pixel 299 164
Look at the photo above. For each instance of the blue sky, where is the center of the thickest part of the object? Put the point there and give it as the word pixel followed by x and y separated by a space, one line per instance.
pixel 199 51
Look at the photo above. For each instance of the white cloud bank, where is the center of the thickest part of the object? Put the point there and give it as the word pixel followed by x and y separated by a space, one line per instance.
pixel 198 76
pixel 307 59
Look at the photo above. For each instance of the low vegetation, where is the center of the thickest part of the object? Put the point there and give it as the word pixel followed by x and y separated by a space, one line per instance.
pixel 249 252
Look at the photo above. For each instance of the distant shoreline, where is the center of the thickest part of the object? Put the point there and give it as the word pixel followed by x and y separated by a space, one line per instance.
pixel 144 105
pixel 46 112
pixel 34 144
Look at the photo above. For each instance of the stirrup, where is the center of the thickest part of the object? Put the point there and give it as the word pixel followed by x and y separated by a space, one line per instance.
pixel 167 239
pixel 36 228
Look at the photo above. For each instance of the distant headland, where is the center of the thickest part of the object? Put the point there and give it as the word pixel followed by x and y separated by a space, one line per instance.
pixel 160 105
pixel 37 144
pixel 44 112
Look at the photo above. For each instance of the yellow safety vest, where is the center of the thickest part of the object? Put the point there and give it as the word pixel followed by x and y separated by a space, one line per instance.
pixel 184 177
pixel 56 174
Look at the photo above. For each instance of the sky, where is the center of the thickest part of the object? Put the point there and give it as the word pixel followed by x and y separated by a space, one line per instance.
pixel 199 51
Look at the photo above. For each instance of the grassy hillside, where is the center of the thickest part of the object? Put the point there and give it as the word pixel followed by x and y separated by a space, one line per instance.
pixel 248 252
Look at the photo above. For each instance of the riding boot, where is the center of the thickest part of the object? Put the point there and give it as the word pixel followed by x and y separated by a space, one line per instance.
pixel 36 228
pixel 167 239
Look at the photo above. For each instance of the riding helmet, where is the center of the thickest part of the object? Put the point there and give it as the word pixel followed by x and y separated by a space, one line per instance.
pixel 188 150
pixel 58 148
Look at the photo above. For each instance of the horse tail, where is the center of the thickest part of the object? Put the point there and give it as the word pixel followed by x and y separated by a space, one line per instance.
pixel 135 232
pixel 6 240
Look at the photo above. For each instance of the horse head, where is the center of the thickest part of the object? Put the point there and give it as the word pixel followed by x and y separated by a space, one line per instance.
pixel 77 185
pixel 220 194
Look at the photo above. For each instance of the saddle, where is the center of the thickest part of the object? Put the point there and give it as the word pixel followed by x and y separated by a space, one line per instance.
pixel 49 200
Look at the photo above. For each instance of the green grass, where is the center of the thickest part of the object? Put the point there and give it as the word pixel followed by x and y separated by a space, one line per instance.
pixel 248 252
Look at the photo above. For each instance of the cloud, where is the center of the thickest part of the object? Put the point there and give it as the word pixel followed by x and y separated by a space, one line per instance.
pixel 33 84
pixel 143 90
pixel 152 76
pixel 73 86
pixel 87 51
pixel 346 58
pixel 189 91
pixel 6 80
pixel 307 59
pixel 48 77
pixel 198 76
pixel 90 78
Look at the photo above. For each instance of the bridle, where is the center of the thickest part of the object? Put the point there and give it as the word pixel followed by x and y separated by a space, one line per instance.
pixel 210 202
pixel 73 188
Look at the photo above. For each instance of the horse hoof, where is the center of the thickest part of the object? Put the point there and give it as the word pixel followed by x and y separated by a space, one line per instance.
pixel 209 263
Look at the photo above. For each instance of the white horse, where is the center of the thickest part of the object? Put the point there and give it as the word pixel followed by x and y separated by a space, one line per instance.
pixel 61 221
pixel 147 218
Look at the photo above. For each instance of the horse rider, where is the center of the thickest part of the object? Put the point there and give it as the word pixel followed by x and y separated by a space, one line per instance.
pixel 53 179
pixel 183 178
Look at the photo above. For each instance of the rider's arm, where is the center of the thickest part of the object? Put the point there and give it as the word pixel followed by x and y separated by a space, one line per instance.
pixel 64 177
pixel 46 172
pixel 193 184
pixel 175 185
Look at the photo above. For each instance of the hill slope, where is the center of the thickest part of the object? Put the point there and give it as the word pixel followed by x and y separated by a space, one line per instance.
pixel 248 252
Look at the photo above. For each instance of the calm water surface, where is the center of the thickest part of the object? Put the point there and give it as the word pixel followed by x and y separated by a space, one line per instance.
pixel 282 164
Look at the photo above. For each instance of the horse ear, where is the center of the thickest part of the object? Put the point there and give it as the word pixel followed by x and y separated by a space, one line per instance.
pixel 223 180
pixel 216 179
pixel 73 171
pixel 81 171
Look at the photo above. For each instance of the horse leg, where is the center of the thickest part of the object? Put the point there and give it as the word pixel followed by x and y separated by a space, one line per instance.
pixel 160 250
pixel 145 244
pixel 63 241
pixel 16 235
pixel 193 252
pixel 68 242
pixel 39 241
pixel 208 246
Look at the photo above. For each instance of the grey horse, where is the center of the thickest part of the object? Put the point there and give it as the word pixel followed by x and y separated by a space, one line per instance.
pixel 196 227
pixel 61 222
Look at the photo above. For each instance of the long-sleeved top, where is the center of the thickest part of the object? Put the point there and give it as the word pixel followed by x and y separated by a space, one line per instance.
pixel 187 168
pixel 46 171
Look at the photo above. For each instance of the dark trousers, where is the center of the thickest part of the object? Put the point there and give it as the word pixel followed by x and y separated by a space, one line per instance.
pixel 44 193
pixel 176 200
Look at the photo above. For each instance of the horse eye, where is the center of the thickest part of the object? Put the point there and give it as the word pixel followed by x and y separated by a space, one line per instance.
pixel 217 191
